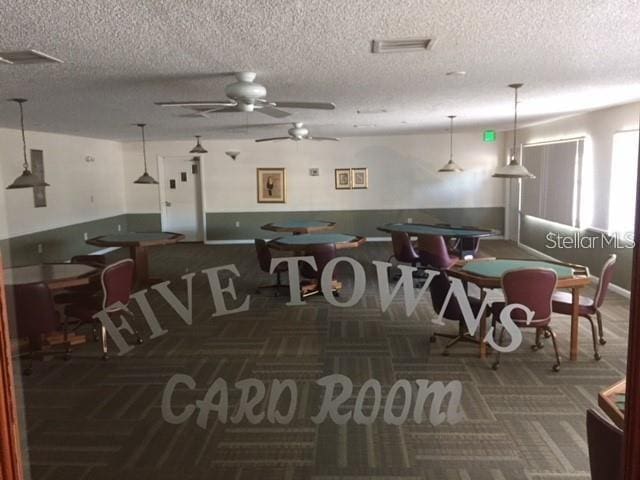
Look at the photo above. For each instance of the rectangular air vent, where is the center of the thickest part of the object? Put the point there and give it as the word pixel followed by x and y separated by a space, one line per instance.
pixel 404 45
pixel 27 57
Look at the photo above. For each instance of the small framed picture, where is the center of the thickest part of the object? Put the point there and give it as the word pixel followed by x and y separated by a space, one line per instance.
pixel 343 178
pixel 272 185
pixel 359 178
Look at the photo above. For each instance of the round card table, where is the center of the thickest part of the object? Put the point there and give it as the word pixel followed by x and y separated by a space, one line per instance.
pixel 417 229
pixel 56 275
pixel 298 227
pixel 303 242
pixel 487 273
pixel 138 244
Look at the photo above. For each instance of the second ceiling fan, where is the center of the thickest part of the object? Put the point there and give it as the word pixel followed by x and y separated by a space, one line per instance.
pixel 296 133
pixel 245 95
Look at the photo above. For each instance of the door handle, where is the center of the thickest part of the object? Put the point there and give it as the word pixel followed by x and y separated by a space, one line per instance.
pixel 168 204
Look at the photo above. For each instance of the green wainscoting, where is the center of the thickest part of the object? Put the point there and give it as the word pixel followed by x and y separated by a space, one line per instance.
pixel 540 235
pixel 222 225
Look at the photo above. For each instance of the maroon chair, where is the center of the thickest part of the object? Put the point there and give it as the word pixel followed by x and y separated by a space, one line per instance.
pixel 469 245
pixel 451 242
pixel 562 302
pixel 75 294
pixel 34 311
pixel 433 252
pixel 533 288
pixel 403 250
pixel 264 260
pixel 117 283
pixel 322 254
pixel 438 289
pixel 605 442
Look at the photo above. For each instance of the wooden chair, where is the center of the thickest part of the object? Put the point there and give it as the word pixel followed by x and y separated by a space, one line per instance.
pixel 605 442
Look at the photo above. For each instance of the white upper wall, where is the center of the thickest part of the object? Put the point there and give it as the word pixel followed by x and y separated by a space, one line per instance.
pixel 402 173
pixel 80 191
pixel 598 127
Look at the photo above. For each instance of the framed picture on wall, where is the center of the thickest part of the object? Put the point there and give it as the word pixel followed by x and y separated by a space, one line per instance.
pixel 343 178
pixel 272 185
pixel 359 178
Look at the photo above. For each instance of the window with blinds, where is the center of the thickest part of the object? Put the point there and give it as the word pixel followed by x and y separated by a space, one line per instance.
pixel 624 170
pixel 554 194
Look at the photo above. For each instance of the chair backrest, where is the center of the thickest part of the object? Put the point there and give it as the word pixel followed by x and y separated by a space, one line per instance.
pixel 33 309
pixel 605 442
pixel 402 247
pixel 117 283
pixel 438 288
pixel 432 250
pixel 264 254
pixel 605 279
pixel 322 254
pixel 531 287
pixel 97 260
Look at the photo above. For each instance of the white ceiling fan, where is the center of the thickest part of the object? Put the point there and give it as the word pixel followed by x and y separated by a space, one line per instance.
pixel 246 96
pixel 297 133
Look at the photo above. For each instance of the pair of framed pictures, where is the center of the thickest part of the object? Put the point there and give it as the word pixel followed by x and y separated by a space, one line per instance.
pixel 352 178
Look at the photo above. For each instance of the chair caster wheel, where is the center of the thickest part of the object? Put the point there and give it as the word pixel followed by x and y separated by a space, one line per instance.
pixel 105 357
pixel 139 341
pixel 445 353
pixel 556 368
pixel 603 341
pixel 597 356
pixel 432 339
pixel 495 366
pixel 336 294
pixel 537 347
pixel 546 334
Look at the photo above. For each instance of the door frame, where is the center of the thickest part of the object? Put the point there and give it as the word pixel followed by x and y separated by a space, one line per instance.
pixel 162 180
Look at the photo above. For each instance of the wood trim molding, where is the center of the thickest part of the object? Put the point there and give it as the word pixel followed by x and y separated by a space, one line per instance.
pixel 10 453
pixel 632 402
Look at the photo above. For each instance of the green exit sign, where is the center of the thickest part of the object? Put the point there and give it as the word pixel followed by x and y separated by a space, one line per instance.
pixel 489 136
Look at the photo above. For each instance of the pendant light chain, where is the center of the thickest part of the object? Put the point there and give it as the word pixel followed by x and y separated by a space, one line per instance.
pixel 451 138
pixel 515 122
pixel 25 165
pixel 144 148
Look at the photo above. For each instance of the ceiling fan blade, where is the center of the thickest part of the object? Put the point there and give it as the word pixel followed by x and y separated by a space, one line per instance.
pixel 314 105
pixel 272 111
pixel 272 139
pixel 333 139
pixel 212 104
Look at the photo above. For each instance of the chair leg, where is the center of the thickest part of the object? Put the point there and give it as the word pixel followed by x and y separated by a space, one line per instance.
pixel 103 342
pixel 594 336
pixel 556 367
pixel 132 322
pixel 538 345
pixel 600 329
pixel 496 364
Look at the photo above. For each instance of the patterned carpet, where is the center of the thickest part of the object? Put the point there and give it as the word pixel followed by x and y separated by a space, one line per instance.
pixel 89 419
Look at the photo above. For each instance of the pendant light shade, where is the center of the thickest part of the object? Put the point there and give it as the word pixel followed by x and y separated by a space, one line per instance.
pixel 26 178
pixel 145 178
pixel 198 148
pixel 451 166
pixel 514 169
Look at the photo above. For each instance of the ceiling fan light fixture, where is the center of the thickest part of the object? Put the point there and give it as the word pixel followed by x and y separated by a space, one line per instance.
pixel 26 179
pixel 145 178
pixel 198 148
pixel 514 169
pixel 451 166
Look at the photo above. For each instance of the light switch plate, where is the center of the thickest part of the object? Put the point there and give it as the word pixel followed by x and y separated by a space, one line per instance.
pixel 314 172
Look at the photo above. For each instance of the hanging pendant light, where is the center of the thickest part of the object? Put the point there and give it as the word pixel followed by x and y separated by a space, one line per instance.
pixel 514 169
pixel 198 148
pixel 26 179
pixel 145 178
pixel 451 166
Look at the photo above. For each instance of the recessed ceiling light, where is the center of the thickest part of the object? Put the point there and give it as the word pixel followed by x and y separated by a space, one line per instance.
pixel 456 73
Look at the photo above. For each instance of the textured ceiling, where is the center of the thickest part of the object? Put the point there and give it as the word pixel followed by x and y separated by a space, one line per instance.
pixel 121 56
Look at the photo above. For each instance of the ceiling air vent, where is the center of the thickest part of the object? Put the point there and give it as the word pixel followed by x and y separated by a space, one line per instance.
pixel 27 57
pixel 404 45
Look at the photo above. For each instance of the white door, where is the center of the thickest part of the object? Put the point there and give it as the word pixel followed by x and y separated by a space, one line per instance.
pixel 181 196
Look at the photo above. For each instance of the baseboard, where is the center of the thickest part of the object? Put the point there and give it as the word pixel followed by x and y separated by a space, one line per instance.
pixel 612 287
pixel 369 239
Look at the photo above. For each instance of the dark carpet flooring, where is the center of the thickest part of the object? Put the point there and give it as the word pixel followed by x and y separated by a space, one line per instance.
pixel 89 419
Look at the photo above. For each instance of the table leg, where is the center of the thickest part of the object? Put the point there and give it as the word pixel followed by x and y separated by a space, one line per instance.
pixel 141 260
pixel 575 318
pixel 483 327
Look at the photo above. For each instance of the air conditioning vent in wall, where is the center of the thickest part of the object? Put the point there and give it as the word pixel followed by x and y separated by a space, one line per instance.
pixel 401 45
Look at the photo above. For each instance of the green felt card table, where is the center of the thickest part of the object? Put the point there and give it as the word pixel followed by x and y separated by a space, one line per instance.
pixel 418 229
pixel 138 242
pixel 305 241
pixel 55 275
pixel 487 274
pixel 298 227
